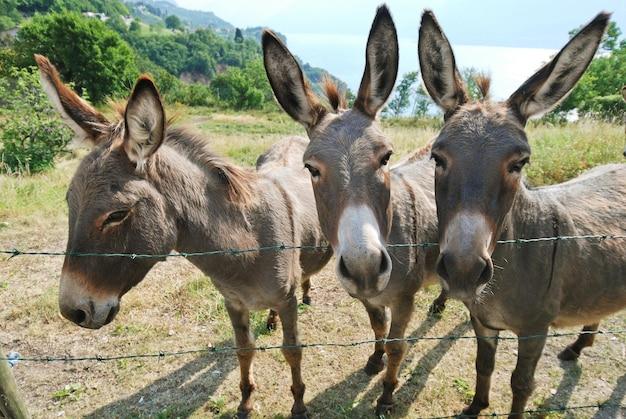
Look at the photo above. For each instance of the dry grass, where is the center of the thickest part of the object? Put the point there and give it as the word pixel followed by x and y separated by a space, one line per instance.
pixel 176 308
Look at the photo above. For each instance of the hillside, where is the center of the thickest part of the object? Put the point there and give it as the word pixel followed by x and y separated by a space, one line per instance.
pixel 155 11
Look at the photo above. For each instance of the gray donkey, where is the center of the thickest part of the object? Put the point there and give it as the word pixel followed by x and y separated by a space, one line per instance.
pixel 146 188
pixel 481 198
pixel 363 204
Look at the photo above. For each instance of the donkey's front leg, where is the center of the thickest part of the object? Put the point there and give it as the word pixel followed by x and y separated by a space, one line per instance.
pixel 572 352
pixel 530 347
pixel 240 319
pixel 487 343
pixel 400 315
pixel 289 317
pixel 380 325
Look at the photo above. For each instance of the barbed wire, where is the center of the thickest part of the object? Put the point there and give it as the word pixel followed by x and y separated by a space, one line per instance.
pixel 284 247
pixel 263 348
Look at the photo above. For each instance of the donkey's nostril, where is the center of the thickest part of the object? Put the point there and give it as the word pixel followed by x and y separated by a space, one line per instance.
pixel 343 268
pixel 487 272
pixel 441 267
pixel 384 264
pixel 78 316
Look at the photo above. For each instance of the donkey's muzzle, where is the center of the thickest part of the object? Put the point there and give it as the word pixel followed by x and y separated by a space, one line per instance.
pixel 365 277
pixel 464 274
pixel 90 314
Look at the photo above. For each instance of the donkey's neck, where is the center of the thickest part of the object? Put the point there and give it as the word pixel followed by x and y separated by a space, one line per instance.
pixel 206 218
pixel 532 214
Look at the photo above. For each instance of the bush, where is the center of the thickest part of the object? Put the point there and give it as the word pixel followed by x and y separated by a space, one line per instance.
pixel 245 88
pixel 31 133
pixel 85 51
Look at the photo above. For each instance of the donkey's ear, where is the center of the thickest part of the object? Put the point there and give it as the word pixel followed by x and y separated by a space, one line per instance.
pixel 441 77
pixel 381 64
pixel 555 79
pixel 82 118
pixel 144 121
pixel 288 83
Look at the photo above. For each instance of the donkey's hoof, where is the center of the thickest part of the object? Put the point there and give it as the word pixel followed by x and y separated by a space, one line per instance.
pixel 473 409
pixel 243 414
pixel 306 300
pixel 374 367
pixel 271 325
pixel 383 409
pixel 568 354
pixel 436 309
pixel 301 415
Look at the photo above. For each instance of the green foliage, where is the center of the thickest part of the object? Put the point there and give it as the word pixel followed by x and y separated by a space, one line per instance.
pixel 108 7
pixel 402 97
pixel 173 22
pixel 9 15
pixel 597 92
pixel 85 51
pixel 245 88
pixel 31 134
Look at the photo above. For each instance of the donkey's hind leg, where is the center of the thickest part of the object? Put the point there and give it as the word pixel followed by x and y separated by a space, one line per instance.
pixel 572 352
pixel 306 288
pixel 240 319
pixel 293 354
pixel 439 305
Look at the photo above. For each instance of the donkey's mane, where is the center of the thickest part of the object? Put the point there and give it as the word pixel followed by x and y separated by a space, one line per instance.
pixel 196 148
pixel 483 81
pixel 336 98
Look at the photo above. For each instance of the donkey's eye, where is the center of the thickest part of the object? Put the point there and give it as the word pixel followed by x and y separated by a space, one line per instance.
pixel 518 166
pixel 314 172
pixel 115 217
pixel 385 160
pixel 439 162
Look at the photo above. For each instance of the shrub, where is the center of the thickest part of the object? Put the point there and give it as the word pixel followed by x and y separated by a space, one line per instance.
pixel 31 133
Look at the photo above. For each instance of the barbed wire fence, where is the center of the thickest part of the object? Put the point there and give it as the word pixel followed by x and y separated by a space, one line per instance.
pixel 15 358
pixel 284 247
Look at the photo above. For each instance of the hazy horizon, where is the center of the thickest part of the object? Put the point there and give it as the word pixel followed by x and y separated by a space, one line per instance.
pixel 332 35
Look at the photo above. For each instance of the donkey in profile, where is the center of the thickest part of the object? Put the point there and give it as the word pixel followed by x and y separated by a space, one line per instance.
pixel 147 188
pixel 363 204
pixel 480 154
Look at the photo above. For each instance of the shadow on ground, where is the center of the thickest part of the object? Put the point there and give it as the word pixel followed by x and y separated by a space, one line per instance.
pixel 177 394
pixel 342 395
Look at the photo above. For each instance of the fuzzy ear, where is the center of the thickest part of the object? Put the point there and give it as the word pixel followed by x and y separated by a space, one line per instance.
pixel 81 117
pixel 381 64
pixel 288 83
pixel 554 80
pixel 439 72
pixel 144 122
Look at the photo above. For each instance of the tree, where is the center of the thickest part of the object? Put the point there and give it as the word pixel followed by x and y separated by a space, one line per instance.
pixel 86 52
pixel 245 88
pixel 598 91
pixel 173 22
pixel 134 26
pixel 421 102
pixel 402 97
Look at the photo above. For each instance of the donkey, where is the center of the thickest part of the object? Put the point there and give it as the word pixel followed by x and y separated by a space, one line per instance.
pixel 479 155
pixel 149 188
pixel 363 204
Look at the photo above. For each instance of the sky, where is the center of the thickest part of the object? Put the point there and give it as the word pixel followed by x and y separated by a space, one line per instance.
pixel 507 39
